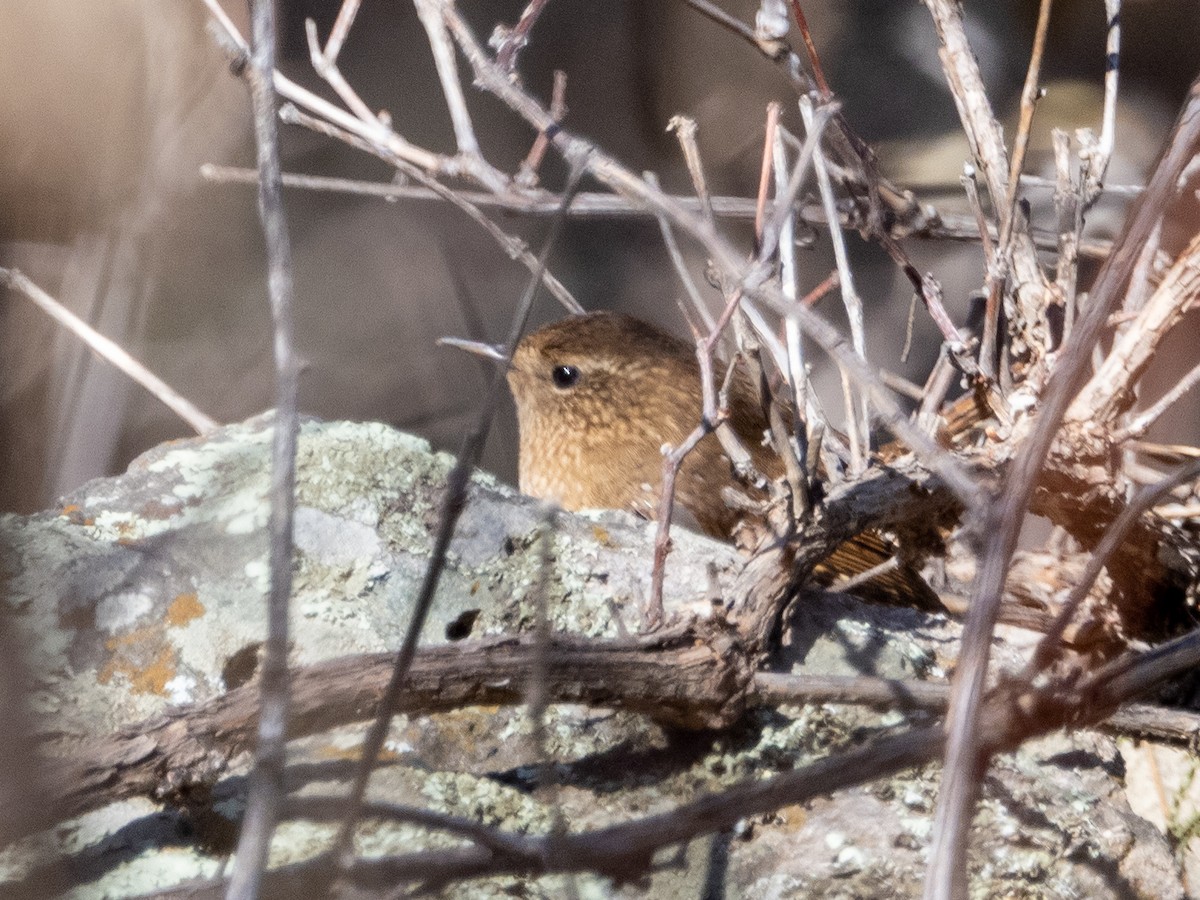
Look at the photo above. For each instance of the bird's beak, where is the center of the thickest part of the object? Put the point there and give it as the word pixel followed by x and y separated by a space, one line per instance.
pixel 493 352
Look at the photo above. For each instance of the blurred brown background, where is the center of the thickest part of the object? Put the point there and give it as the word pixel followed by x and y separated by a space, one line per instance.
pixel 108 111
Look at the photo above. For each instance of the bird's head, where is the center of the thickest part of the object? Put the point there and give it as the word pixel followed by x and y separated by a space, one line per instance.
pixel 601 370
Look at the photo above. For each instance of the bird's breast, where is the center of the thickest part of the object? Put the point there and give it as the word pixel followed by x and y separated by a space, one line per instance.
pixel 582 468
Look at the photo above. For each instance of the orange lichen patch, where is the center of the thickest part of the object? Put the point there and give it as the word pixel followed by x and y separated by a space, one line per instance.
pixel 603 538
pixel 134 656
pixel 144 655
pixel 153 678
pixel 183 609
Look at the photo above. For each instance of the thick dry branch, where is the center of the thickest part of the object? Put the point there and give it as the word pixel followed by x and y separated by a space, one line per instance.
pixel 1152 563
pixel 1180 727
pixel 904 500
pixel 673 677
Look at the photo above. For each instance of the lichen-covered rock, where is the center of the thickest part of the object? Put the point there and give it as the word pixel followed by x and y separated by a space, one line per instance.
pixel 148 589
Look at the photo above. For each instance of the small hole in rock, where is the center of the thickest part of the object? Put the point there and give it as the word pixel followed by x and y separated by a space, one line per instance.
pixel 241 666
pixel 461 627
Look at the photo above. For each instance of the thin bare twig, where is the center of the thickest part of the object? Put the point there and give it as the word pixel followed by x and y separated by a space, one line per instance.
pixel 527 173
pixel 770 47
pixel 374 131
pixel 998 264
pixel 1110 390
pixel 970 183
pixel 1030 94
pixel 265 792
pixel 326 66
pixel 1168 452
pixel 509 42
pixel 1175 726
pixel 677 261
pixel 858 414
pixel 1146 275
pixel 856 164
pixel 685 131
pixel 666 507
pixel 341 29
pixel 447 69
pixel 785 199
pixel 110 352
pixel 711 419
pixel 1070 228
pixel 777 239
pixel 1119 191
pixel 1096 157
pixel 330 809
pixel 796 438
pixel 937 385
pixel 811 47
pixel 764 180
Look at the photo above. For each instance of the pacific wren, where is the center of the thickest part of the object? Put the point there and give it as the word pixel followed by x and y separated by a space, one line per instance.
pixel 598 396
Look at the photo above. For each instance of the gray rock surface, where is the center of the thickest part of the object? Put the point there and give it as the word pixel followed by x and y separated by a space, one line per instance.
pixel 147 590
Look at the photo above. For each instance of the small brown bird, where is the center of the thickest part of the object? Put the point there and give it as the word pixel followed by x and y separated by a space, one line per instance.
pixel 598 396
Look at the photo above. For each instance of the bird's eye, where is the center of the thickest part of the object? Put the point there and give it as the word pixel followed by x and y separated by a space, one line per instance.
pixel 564 376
